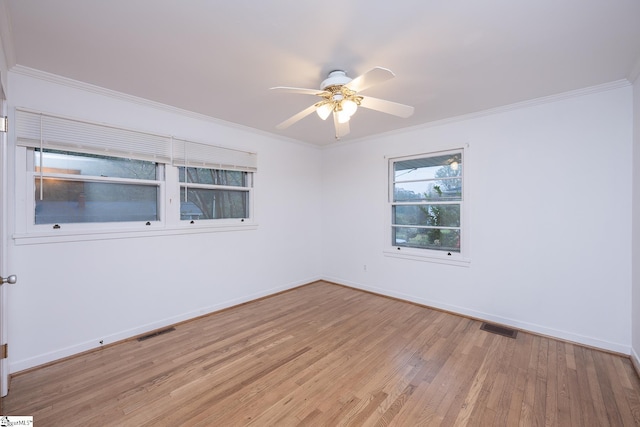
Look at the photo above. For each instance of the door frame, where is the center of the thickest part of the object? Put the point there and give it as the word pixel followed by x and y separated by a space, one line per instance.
pixel 4 363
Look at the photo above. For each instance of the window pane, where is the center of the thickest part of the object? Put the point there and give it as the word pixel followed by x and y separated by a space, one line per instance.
pixel 214 177
pixel 88 164
pixel 428 167
pixel 66 201
pixel 449 189
pixel 213 204
pixel 431 238
pixel 427 215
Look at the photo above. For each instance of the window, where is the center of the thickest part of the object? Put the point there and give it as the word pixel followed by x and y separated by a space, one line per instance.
pixel 426 204
pixel 78 188
pixel 83 178
pixel 214 193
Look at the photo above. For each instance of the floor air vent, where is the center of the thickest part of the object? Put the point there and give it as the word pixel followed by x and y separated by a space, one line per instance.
pixel 500 330
pixel 156 333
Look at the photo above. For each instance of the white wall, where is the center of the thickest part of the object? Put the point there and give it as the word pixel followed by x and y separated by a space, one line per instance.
pixel 72 295
pixel 550 197
pixel 550 214
pixel 635 321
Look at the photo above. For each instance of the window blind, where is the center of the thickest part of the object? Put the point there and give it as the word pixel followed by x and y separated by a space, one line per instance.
pixel 194 154
pixel 40 130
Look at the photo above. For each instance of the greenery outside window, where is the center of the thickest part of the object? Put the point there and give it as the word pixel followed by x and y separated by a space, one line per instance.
pixel 214 193
pixel 427 203
pixel 87 181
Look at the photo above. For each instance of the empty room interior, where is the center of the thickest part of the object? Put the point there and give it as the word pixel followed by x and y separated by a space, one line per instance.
pixel 340 213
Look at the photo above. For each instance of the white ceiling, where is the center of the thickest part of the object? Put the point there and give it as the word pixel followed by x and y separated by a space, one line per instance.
pixel 219 58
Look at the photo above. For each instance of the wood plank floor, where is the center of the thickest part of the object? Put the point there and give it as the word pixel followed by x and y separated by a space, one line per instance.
pixel 327 355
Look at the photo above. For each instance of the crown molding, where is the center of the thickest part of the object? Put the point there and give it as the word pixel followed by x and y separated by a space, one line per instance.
pixel 502 109
pixel 6 35
pixel 534 102
pixel 87 87
pixel 634 74
pixel 64 81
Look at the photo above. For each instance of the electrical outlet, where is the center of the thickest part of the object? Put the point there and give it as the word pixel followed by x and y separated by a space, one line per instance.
pixel 365 267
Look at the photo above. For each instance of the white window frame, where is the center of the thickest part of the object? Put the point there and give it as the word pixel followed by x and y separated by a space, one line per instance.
pixel 248 188
pixel 193 154
pixel 168 223
pixel 33 176
pixel 461 258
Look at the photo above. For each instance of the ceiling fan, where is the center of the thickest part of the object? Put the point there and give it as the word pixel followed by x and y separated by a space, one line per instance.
pixel 341 96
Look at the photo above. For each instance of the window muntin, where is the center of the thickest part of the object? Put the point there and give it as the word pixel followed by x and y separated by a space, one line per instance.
pixel 429 214
pixel 214 193
pixel 81 147
pixel 56 161
pixel 84 188
pixel 426 202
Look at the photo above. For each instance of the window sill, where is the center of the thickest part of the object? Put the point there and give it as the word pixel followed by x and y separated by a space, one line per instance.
pixel 61 236
pixel 432 257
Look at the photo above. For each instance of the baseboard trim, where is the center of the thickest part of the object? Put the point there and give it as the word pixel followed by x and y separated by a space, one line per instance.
pixel 45 359
pixel 635 361
pixel 584 341
pixel 51 358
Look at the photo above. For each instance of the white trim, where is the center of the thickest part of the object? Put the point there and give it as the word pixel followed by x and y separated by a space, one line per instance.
pixel 535 102
pixel 6 37
pixel 491 111
pixel 462 258
pixel 246 161
pixel 4 266
pixel 635 360
pixel 20 365
pixel 87 87
pixel 515 323
pixel 634 74
pixel 431 256
pixel 154 230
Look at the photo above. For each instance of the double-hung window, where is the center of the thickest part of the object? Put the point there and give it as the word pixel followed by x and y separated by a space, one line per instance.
pixel 426 204
pixel 214 193
pixel 83 178
pixel 78 188
pixel 80 173
pixel 215 183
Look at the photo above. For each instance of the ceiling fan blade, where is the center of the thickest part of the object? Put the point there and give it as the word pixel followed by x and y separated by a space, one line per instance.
pixel 284 89
pixel 301 115
pixel 370 78
pixel 342 129
pixel 388 107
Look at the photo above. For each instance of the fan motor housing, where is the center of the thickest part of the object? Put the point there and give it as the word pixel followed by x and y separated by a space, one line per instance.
pixel 335 78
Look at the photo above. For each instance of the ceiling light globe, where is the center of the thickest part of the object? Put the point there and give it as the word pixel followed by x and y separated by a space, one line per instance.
pixel 324 111
pixel 349 107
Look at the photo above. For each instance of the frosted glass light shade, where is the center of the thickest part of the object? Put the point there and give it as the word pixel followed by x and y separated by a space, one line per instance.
pixel 324 111
pixel 349 107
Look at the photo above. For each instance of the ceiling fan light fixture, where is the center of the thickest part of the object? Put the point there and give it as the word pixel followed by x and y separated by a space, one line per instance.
pixel 325 111
pixel 340 95
pixel 349 107
pixel 343 117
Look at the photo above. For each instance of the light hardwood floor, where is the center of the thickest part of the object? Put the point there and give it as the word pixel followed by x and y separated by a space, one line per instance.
pixel 328 355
